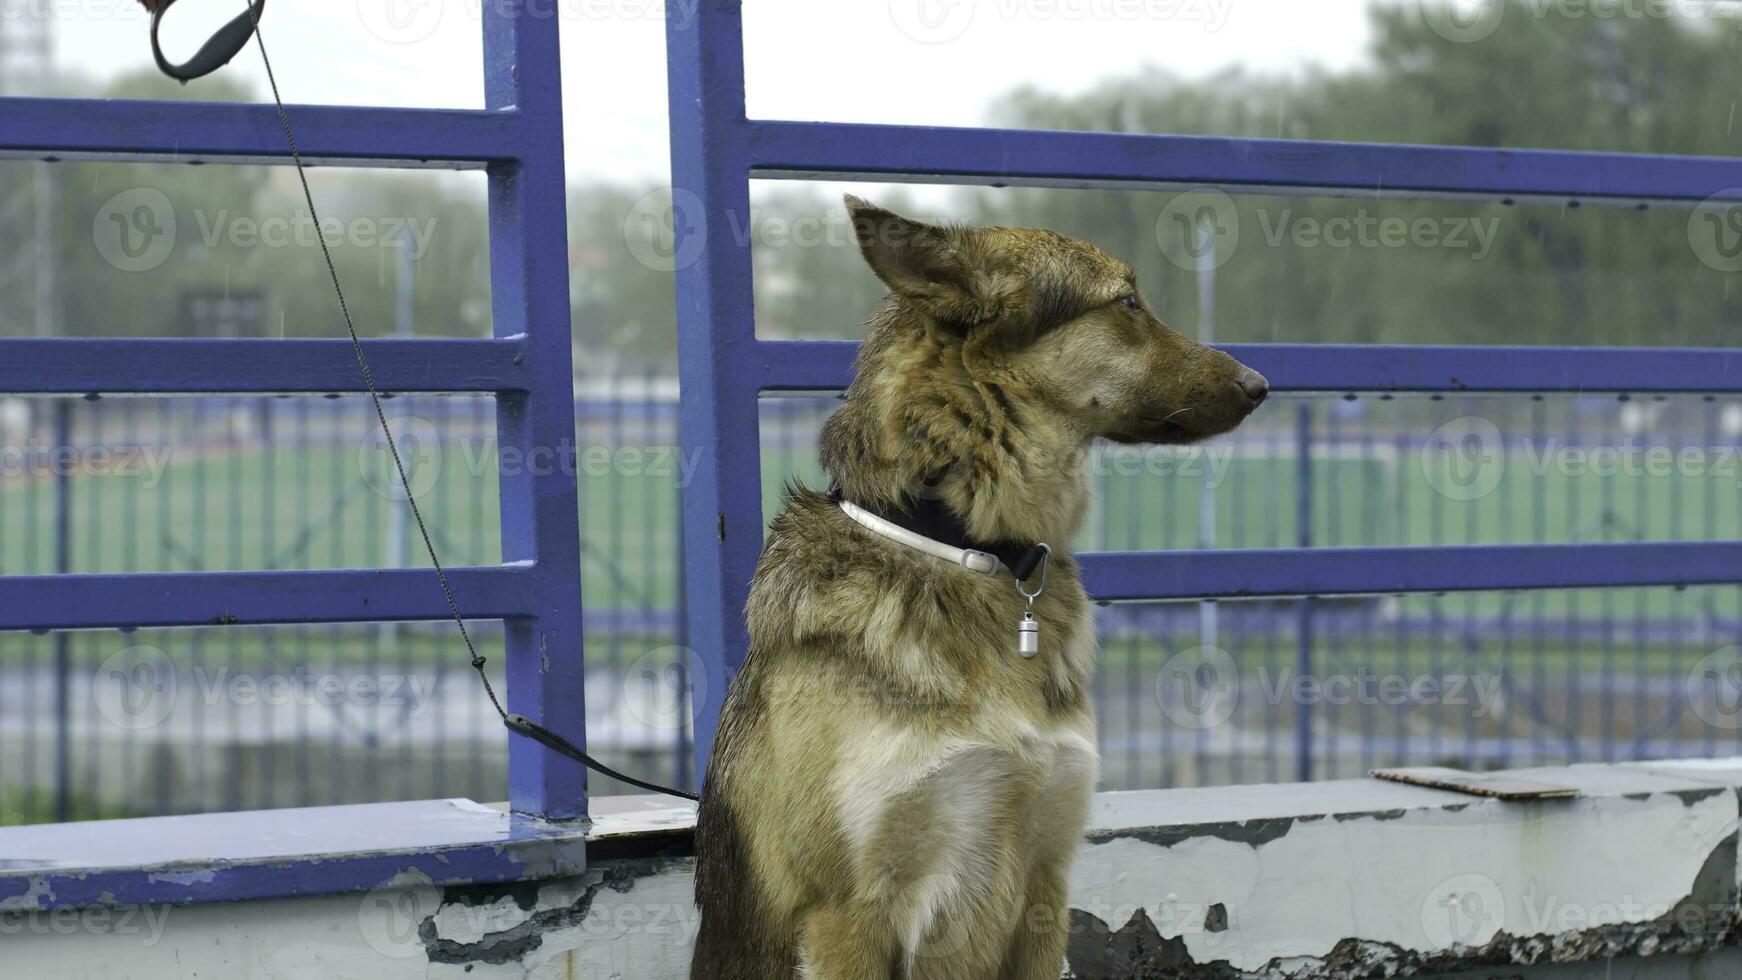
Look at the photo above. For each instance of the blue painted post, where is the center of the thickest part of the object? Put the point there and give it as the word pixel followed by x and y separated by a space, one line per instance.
pixel 1303 715
pixel 717 415
pixel 529 287
pixel 63 662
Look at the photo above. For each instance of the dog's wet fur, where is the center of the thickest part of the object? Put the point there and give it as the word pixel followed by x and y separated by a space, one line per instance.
pixel 894 791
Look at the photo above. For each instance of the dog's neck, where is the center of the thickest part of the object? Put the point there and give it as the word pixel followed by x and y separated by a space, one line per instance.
pixel 931 420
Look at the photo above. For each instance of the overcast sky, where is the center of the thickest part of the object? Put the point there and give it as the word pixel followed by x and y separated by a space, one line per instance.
pixel 921 61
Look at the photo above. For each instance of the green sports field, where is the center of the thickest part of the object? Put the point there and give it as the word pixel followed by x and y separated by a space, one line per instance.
pixel 335 506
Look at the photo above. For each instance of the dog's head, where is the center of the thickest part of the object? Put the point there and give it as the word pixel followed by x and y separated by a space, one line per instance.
pixel 1058 322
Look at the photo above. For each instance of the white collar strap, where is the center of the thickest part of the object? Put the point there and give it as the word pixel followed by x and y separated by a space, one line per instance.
pixel 974 561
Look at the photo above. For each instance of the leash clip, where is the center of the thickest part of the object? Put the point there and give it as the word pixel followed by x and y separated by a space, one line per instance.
pixel 222 46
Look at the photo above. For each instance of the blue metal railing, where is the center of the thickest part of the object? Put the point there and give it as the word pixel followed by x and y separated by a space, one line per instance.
pixel 148 722
pixel 517 141
pixel 716 149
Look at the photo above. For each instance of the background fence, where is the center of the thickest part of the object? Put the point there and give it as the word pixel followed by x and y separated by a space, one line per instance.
pixel 107 723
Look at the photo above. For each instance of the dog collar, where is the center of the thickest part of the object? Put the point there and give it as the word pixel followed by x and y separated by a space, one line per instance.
pixel 932 528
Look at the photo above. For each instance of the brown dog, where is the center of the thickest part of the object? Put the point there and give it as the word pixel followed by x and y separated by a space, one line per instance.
pixel 896 791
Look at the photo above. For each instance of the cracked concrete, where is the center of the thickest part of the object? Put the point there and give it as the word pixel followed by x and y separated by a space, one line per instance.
pixel 1635 879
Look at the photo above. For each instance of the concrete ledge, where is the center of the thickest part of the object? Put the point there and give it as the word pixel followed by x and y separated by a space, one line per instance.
pixel 1636 878
pixel 1365 879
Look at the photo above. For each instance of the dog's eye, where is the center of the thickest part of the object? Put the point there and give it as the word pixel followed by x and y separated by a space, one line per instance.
pixel 1130 301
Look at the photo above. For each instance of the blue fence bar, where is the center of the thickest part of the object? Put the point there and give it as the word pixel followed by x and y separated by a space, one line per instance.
pixel 827 365
pixel 1255 573
pixel 32 365
pixel 221 132
pixel 146 599
pixel 918 154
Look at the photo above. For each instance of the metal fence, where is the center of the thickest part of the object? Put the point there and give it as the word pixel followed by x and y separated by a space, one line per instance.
pixel 106 723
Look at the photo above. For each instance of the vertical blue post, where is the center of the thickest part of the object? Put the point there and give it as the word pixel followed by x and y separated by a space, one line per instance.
pixel 717 416
pixel 1303 662
pixel 529 287
pixel 63 656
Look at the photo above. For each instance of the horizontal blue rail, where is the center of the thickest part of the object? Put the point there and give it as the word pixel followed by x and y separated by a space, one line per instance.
pixel 195 366
pixel 194 132
pixel 218 857
pixel 155 599
pixel 1040 158
pixel 806 365
pixel 1145 575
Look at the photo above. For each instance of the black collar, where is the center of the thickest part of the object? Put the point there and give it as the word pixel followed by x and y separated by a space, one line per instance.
pixel 933 519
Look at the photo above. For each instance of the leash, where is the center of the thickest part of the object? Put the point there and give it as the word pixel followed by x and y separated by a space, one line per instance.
pixel 214 54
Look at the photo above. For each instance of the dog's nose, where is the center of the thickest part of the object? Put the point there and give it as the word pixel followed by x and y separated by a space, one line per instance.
pixel 1253 384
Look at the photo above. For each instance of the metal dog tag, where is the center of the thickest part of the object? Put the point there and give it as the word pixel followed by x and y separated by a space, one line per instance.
pixel 1028 635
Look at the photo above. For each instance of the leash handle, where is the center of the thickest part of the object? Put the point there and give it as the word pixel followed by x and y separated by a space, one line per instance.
pixel 222 46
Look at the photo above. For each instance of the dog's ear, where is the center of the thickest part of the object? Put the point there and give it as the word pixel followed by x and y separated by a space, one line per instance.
pixel 921 263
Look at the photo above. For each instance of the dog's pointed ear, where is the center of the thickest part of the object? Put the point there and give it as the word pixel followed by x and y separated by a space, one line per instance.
pixel 919 262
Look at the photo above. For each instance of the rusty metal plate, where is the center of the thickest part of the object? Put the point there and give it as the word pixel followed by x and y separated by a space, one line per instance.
pixel 1497 785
